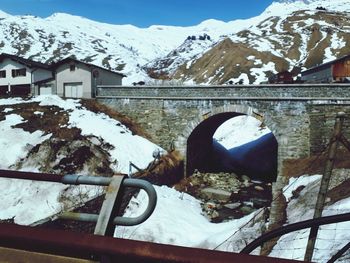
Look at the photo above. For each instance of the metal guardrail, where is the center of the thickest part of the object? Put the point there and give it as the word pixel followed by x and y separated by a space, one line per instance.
pixel 106 181
pixel 295 227
pixel 87 246
pixel 107 218
pixel 104 248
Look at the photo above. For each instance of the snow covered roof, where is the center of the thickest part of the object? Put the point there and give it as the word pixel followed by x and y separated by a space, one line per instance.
pixel 27 62
pixel 73 59
pixel 34 64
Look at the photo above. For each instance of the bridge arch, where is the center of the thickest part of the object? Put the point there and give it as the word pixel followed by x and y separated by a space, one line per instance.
pixel 196 140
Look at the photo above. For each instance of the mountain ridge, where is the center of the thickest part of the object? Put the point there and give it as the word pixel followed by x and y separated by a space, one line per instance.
pixel 302 35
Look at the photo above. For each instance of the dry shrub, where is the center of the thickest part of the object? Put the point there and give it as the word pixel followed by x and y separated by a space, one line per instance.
pixel 168 170
pixel 314 164
pixel 339 192
pixel 94 106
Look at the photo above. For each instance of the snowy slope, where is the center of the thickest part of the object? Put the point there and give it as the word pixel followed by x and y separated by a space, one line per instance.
pixel 331 237
pixel 28 202
pixel 185 225
pixel 288 35
pixel 285 7
pixel 239 130
pixel 123 47
pixel 178 220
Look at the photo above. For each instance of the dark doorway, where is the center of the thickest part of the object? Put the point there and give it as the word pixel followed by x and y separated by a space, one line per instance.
pixel 3 90
pixel 20 90
pixel 256 159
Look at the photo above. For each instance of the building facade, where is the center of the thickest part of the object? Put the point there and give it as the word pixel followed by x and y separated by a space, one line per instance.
pixel 334 71
pixel 76 79
pixel 18 76
pixel 68 78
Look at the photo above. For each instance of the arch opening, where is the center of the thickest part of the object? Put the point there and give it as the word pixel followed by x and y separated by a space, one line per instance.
pixel 255 157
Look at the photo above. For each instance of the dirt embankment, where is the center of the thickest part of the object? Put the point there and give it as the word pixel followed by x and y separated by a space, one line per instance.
pixel 340 178
pixel 67 150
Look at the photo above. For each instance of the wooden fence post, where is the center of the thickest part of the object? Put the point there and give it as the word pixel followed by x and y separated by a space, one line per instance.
pixel 337 134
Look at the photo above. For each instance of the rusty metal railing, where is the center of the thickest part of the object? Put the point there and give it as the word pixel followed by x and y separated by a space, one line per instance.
pixel 107 219
pixel 98 247
pixel 84 246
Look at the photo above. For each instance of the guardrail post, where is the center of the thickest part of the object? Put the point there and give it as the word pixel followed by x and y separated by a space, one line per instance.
pixel 110 208
pixel 325 183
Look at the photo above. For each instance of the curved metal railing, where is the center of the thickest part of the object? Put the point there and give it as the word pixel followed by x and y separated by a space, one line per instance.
pixel 298 226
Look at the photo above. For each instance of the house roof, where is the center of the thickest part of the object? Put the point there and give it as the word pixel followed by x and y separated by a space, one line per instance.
pixel 72 59
pixel 325 65
pixel 44 81
pixel 34 64
pixel 27 62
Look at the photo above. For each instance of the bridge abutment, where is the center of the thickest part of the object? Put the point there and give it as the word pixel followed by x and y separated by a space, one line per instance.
pixel 301 117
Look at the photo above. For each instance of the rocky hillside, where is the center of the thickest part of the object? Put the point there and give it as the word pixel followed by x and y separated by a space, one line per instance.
pixel 52 135
pixel 288 35
pixel 295 41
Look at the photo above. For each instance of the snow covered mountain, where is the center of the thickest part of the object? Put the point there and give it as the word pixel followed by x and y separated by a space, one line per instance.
pixel 287 35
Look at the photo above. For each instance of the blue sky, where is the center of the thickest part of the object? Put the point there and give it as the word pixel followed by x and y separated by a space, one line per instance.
pixel 142 13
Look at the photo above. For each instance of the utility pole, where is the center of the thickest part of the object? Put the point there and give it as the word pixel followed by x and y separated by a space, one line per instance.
pixel 336 137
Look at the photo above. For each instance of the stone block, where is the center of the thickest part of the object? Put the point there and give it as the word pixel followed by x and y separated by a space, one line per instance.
pixel 216 194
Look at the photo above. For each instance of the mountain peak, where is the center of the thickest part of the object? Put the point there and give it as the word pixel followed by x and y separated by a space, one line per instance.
pixel 3 14
pixel 285 7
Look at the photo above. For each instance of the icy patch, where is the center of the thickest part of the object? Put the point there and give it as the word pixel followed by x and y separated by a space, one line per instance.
pixel 6 110
pixel 243 78
pixel 259 73
pixel 54 100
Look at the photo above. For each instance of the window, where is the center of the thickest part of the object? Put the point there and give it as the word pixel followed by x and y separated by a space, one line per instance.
pixel 19 72
pixel 2 74
pixel 72 67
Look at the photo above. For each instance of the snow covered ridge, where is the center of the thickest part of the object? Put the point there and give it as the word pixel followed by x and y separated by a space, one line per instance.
pixel 53 135
pixel 284 7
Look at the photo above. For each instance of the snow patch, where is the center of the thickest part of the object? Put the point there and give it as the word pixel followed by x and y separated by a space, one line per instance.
pixel 239 130
pixel 15 142
pixel 177 220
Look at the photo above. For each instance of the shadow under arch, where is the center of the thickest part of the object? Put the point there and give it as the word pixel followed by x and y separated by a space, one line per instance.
pixel 200 149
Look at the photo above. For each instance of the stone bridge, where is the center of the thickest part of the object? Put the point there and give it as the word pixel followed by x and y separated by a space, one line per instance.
pixel 300 116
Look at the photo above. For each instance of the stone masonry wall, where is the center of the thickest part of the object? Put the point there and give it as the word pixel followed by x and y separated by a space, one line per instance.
pixel 301 117
pixel 334 91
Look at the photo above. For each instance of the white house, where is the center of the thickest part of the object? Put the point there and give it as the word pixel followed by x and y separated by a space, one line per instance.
pixel 69 77
pixel 19 75
pixel 77 79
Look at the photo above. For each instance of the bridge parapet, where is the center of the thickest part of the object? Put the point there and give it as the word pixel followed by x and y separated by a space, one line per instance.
pixel 290 92
pixel 300 116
